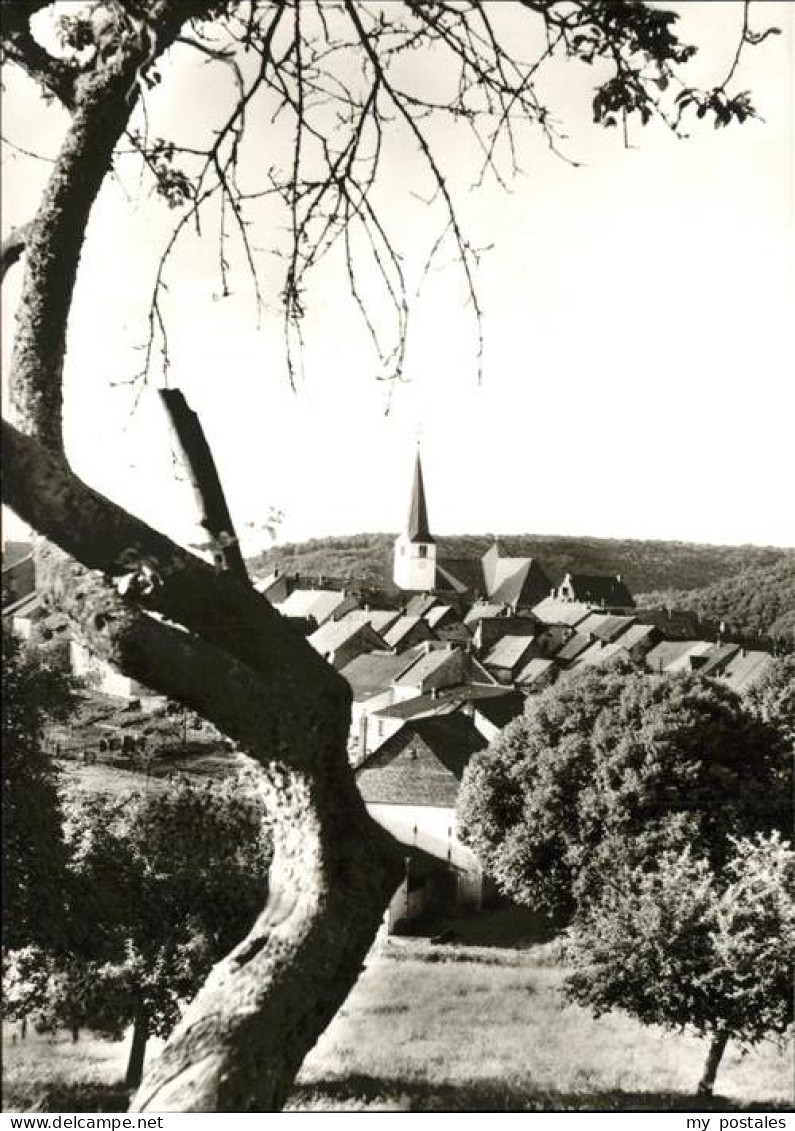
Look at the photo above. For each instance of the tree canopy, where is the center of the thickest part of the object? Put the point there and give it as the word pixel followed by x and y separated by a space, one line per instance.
pixel 34 854
pixel 656 763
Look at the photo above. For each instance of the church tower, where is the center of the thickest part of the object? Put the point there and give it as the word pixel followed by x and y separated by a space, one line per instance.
pixel 415 550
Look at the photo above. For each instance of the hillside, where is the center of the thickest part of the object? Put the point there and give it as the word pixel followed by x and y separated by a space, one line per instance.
pixel 758 599
pixel 645 565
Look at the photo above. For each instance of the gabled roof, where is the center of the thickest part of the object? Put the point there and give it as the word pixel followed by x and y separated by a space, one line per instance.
pixel 499 710
pixel 426 666
pixel 508 652
pixel 718 659
pixel 334 633
pixel 572 649
pixel 604 626
pixel 483 611
pixel 391 776
pixel 450 699
pixel 318 603
pixel 420 604
pixel 374 672
pixel 674 655
pixel 635 634
pixel 417 527
pixel 437 614
pixel 745 669
pixel 400 629
pixel 518 581
pixel 553 610
pixel 460 575
pixel 599 589
pixel 534 670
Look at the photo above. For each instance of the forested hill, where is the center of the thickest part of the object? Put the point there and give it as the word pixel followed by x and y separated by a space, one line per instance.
pixel 758 599
pixel 645 565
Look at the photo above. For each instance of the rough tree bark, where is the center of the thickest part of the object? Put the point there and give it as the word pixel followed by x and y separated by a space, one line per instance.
pixel 716 1050
pixel 135 1063
pixel 216 646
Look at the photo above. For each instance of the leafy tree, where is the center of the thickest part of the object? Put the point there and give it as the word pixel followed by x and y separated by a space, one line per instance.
pixel 773 698
pixel 162 886
pixel 334 73
pixel 682 943
pixel 34 856
pixel 759 600
pixel 660 763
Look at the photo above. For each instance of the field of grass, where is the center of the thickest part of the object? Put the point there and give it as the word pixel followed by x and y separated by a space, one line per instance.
pixel 449 1028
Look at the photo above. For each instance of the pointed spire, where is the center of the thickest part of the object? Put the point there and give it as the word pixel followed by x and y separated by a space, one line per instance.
pixel 417 528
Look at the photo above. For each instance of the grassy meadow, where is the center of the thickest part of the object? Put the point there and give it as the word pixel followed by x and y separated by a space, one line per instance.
pixel 447 1028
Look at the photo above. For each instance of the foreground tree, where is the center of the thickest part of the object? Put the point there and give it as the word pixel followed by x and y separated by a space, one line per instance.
pixel 619 761
pixel 34 853
pixel 682 944
pixel 214 644
pixel 161 887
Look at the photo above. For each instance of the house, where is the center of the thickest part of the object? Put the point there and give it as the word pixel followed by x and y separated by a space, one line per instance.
pixel 554 611
pixel 602 591
pixel 515 582
pixel 410 786
pixel 537 674
pixel 317 605
pixel 490 630
pixel 489 707
pixel 440 666
pixel 745 669
pixel 276 586
pixel 446 624
pixel 340 641
pixel 508 656
pixel 407 632
pixel 371 678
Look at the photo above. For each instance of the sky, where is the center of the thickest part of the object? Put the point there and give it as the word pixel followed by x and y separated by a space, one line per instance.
pixel 637 379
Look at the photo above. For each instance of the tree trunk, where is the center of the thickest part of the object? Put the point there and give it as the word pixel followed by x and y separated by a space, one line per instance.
pixel 245 1036
pixel 135 1064
pixel 216 646
pixel 716 1050
pixel 75 1031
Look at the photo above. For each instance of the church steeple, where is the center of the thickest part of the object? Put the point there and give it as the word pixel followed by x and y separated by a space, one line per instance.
pixel 415 550
pixel 417 528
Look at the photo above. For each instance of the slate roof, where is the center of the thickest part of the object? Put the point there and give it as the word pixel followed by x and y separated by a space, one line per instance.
pixel 425 667
pixel 417 527
pixel 318 603
pixel 374 672
pixel 443 746
pixel 437 614
pixel 519 581
pixel 500 709
pixel 461 575
pixel 552 610
pixel 420 604
pixel 398 631
pixel 745 669
pixel 483 611
pixel 599 589
pixel 449 699
pixel 605 626
pixel 719 658
pixel 572 649
pixel 674 655
pixel 334 633
pixel 534 670
pixel 508 652
pixel 634 635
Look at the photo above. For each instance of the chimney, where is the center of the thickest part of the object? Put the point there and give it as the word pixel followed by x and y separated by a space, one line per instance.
pixel 276 571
